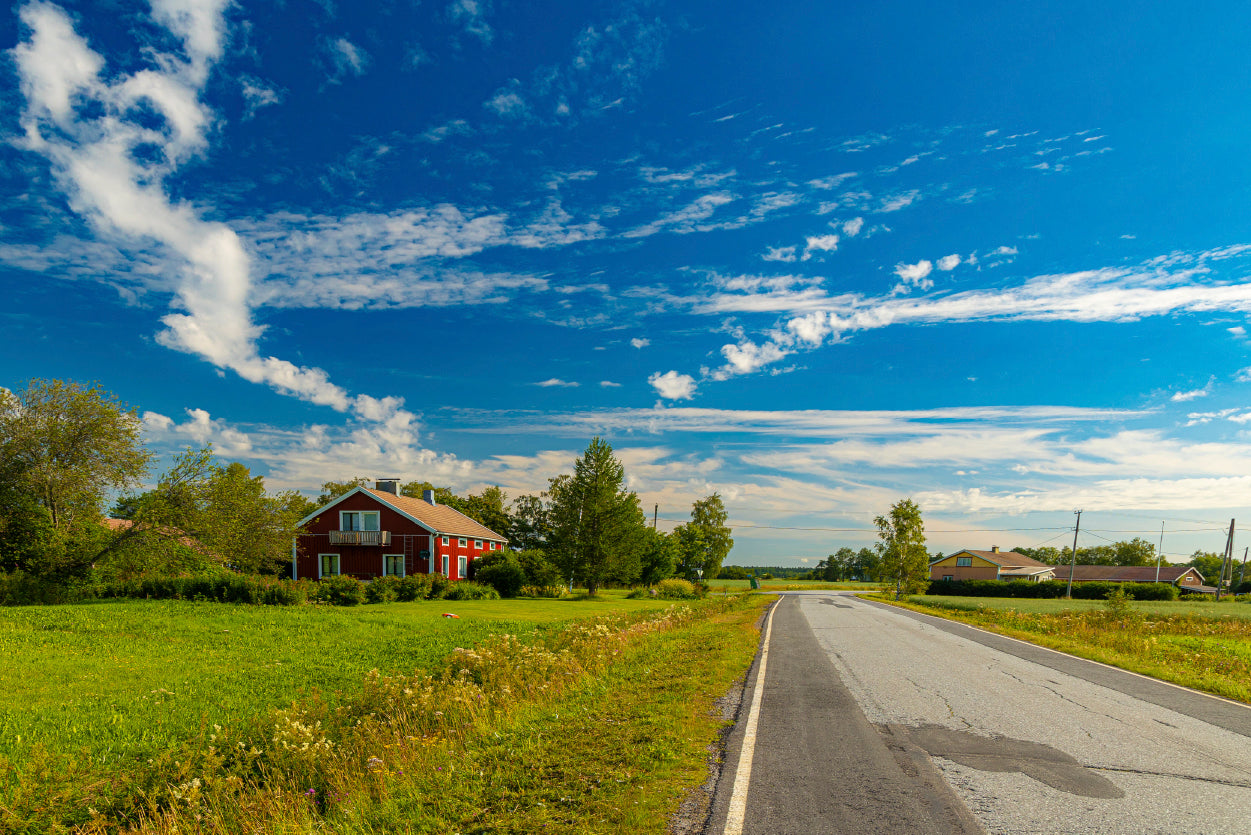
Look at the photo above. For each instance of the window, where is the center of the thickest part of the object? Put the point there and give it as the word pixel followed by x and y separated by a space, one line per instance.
pixel 477 543
pixel 462 563
pixel 461 543
pixel 329 565
pixel 947 578
pixel 358 520
pixel 492 546
pixel 445 574
pixel 964 561
pixel 392 565
pixel 445 540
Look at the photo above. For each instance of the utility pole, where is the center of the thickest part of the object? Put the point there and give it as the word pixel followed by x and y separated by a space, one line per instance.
pixel 1068 595
pixel 1229 553
pixel 1242 577
pixel 1159 553
pixel 655 516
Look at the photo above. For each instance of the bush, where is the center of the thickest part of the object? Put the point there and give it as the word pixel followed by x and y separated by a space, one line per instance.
pixel 676 589
pixel 540 572
pixel 543 591
pixel 341 590
pixel 381 590
pixel 413 587
pixel 1051 589
pixel 438 585
pixel 469 590
pixel 504 574
pixel 21 588
pixel 1151 591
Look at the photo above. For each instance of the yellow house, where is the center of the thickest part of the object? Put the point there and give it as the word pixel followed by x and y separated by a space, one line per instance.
pixel 989 565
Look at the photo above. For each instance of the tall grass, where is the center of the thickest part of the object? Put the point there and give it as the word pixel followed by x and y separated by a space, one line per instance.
pixel 321 759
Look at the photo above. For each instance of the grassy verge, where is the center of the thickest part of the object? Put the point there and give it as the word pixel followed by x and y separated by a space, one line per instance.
pixel 122 679
pixel 791 585
pixel 411 752
pixel 1199 645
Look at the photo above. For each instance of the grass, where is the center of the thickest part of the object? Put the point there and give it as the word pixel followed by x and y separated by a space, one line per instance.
pixel 120 679
pixel 791 584
pixel 578 726
pixel 1205 646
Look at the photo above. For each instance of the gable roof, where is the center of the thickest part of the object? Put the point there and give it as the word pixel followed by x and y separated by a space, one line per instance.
pixel 437 518
pixel 1003 559
pixel 1125 573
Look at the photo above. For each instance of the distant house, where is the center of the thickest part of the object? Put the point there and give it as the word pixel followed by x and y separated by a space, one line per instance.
pixel 369 533
pixel 989 565
pixel 1182 576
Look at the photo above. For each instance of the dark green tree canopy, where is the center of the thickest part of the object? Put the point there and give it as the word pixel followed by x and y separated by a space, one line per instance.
pixel 901 547
pixel 705 541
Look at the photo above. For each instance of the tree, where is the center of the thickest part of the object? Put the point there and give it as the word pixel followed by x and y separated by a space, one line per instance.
pixel 705 541
pixel 332 490
pixel 902 547
pixel 841 565
pixel 531 523
pixel 596 523
pixel 659 556
pixel 63 448
pixel 488 508
pixel 1208 564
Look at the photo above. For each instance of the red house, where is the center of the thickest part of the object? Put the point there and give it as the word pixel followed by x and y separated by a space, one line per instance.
pixel 376 533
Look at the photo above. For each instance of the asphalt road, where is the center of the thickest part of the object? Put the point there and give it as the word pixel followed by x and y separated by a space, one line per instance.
pixel 874 720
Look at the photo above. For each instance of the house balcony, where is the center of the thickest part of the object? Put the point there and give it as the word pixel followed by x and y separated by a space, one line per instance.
pixel 360 537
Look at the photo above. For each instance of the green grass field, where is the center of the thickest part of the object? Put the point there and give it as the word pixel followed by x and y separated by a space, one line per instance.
pixel 119 678
pixel 790 585
pixel 1151 607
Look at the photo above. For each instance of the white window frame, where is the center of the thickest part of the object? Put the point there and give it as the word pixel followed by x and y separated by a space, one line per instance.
pixel 477 543
pixel 964 562
pixel 403 567
pixel 462 567
pixel 492 546
pixel 445 540
pixel 338 565
pixel 377 515
pixel 446 567
pixel 462 543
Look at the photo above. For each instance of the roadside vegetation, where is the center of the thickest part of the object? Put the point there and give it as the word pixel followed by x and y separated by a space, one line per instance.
pixel 182 716
pixel 1199 644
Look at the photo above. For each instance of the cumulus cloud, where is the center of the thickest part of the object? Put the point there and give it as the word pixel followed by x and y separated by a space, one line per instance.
pixel 673 386
pixel 609 384
pixel 471 16
pixel 852 227
pixel 820 243
pixel 785 254
pixel 508 103
pixel 948 262
pixel 640 342
pixel 914 275
pixel 1193 394
pixel 556 382
pixel 346 59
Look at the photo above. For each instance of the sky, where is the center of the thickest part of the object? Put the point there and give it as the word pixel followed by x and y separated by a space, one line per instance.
pixel 815 257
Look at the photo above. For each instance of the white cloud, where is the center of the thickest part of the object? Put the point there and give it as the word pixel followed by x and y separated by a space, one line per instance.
pixel 1237 330
pixel 556 382
pixel 898 201
pixel 257 95
pixel 948 262
pixel 346 58
pixel 673 386
pixel 1243 376
pixel 852 227
pixel 1194 394
pixel 120 193
pixel 687 219
pixel 507 103
pixel 201 429
pixel 640 342
pixel 833 182
pixel 609 384
pixel 914 275
pixel 820 243
pixel 786 254
pixel 471 16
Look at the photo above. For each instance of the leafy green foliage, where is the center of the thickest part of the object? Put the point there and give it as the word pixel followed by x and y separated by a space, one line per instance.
pixel 501 571
pixel 902 547
pixel 469 590
pixel 658 557
pixel 704 542
pixel 1050 589
pixel 341 590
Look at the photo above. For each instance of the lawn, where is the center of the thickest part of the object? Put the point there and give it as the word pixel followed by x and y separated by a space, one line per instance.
pixel 126 678
pixel 1206 646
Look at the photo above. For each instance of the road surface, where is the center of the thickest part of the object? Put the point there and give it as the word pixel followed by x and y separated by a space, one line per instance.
pixel 870 719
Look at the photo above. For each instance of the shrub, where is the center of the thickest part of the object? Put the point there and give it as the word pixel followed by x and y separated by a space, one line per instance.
pixel 341 590
pixel 676 589
pixel 539 570
pixel 543 591
pixel 504 574
pixel 438 585
pixel 21 588
pixel 413 587
pixel 381 590
pixel 1151 591
pixel 469 590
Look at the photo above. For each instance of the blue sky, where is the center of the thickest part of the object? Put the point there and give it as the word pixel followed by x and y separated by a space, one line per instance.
pixel 817 257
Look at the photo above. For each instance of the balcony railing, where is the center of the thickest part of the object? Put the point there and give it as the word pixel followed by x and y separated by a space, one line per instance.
pixel 360 537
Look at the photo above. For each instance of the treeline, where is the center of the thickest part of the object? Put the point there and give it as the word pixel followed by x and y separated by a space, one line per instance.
pixel 586 529
pixel 65 448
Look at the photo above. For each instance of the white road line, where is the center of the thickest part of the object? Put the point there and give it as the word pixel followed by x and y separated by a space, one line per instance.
pixel 738 798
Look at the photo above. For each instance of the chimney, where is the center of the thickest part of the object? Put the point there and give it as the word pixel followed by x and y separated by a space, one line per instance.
pixel 428 495
pixel 390 485
pixel 994 549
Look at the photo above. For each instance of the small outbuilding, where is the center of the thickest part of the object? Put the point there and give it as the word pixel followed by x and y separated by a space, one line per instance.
pixel 1183 576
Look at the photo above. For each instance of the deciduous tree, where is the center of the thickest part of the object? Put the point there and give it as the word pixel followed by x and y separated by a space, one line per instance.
pixel 902 547
pixel 705 541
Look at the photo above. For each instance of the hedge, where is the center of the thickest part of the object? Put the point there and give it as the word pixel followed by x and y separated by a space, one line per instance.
pixel 1052 589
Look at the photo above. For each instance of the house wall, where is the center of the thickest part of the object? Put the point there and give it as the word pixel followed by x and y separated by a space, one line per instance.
pixel 980 569
pixel 365 562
